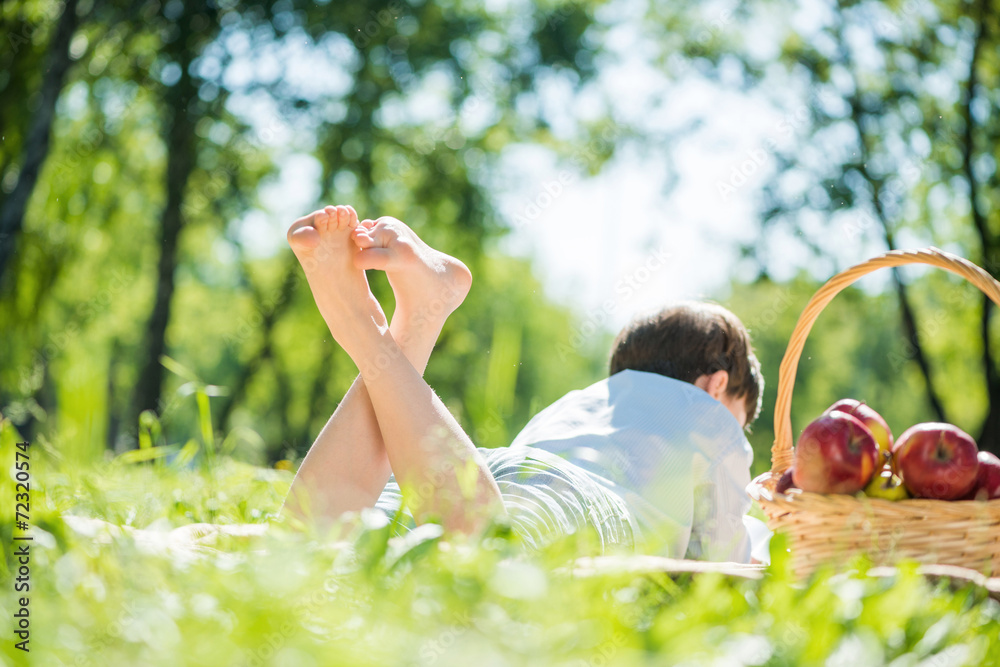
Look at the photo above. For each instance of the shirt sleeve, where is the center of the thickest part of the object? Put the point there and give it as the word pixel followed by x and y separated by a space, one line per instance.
pixel 718 532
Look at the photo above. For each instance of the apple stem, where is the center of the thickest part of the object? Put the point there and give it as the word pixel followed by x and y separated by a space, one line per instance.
pixel 940 452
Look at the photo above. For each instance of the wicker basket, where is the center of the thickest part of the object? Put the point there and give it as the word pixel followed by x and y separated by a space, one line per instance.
pixel 834 528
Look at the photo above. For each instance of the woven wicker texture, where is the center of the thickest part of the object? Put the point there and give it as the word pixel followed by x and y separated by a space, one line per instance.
pixel 834 528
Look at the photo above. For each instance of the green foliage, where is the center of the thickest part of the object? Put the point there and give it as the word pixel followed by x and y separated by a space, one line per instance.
pixel 892 142
pixel 857 349
pixel 75 306
pixel 254 374
pixel 425 598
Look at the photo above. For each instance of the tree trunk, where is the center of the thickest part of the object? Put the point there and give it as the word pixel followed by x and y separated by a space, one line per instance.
pixel 909 321
pixel 989 436
pixel 180 141
pixel 905 307
pixel 36 147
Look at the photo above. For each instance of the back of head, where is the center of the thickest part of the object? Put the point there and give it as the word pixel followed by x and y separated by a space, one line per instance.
pixel 690 339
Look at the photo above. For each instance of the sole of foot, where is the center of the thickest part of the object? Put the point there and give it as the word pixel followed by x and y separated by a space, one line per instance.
pixel 426 282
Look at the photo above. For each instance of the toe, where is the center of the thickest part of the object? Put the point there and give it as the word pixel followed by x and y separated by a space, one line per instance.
pixel 334 212
pixel 384 234
pixel 362 238
pixel 303 238
pixel 326 219
pixel 373 258
pixel 348 217
pixel 304 221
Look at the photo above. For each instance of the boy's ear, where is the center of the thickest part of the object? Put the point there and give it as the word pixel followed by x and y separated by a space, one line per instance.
pixel 715 384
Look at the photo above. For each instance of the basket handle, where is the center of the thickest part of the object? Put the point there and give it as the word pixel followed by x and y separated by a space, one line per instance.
pixel 781 452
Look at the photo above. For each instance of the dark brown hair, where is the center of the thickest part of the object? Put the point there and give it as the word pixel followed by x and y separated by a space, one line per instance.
pixel 688 340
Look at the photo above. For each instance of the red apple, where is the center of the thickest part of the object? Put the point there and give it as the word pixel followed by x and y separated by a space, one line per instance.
pixel 868 417
pixel 936 461
pixel 988 480
pixel 785 482
pixel 836 453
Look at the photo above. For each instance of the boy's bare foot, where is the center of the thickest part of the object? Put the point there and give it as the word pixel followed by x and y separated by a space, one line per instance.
pixel 429 285
pixel 322 243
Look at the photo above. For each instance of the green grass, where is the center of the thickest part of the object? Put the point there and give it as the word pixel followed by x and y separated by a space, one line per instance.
pixel 289 598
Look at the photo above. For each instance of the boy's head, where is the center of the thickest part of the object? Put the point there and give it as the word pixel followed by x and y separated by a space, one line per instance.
pixel 700 343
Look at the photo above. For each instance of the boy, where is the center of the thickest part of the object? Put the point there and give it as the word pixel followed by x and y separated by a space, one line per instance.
pixel 392 423
pixel 664 431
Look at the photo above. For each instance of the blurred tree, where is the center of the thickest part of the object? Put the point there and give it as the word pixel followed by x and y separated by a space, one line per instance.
pixel 898 147
pixel 186 28
pixel 57 61
pixel 855 350
pixel 135 242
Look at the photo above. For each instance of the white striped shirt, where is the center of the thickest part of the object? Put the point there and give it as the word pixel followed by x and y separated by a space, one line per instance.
pixel 676 456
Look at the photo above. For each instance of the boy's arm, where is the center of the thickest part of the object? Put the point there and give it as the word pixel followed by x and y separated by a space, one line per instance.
pixel 720 503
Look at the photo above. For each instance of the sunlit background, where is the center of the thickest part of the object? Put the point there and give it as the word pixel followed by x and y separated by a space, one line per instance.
pixel 589 160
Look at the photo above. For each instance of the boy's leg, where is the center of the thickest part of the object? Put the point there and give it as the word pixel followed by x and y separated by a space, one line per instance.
pixel 347 466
